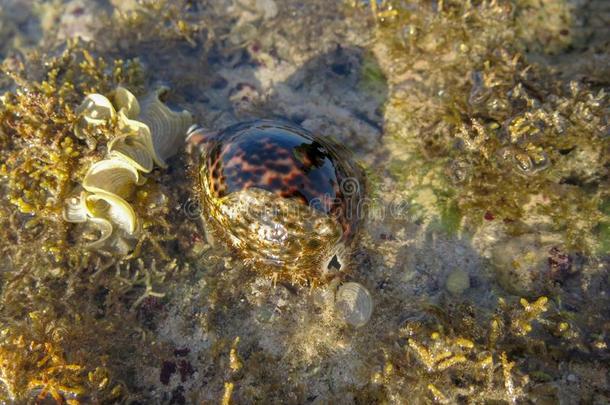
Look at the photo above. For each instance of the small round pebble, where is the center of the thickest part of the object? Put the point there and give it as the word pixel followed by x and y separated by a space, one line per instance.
pixel 458 281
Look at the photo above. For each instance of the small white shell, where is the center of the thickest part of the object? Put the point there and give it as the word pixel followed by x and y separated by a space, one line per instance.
pixel 354 304
pixel 113 176
pixel 113 208
pixel 167 127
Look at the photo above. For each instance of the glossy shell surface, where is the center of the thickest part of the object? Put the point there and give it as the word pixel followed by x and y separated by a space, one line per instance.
pixel 285 199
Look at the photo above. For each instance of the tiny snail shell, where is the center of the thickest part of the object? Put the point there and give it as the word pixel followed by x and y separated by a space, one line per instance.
pixel 354 304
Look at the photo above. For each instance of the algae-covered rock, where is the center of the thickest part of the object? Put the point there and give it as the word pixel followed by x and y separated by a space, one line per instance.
pixel 521 265
pixel 487 129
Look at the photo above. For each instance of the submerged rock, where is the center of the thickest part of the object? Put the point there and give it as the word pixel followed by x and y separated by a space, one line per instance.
pixel 521 265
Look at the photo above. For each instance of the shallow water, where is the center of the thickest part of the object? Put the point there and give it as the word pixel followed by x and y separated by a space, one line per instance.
pixel 482 129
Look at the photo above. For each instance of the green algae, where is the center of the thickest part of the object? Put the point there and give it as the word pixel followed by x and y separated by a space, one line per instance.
pixel 372 78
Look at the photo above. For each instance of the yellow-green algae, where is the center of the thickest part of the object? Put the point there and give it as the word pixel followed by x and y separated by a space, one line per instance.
pixel 64 310
pixel 451 355
pixel 163 22
pixel 486 132
pixel 41 157
pixel 479 133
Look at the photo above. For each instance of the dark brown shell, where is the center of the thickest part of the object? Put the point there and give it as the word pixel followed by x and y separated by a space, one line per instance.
pixel 298 178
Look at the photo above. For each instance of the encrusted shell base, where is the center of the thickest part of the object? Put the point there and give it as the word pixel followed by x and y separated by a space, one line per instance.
pixel 281 237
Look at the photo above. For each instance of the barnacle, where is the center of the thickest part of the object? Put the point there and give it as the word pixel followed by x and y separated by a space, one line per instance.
pixel 110 183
